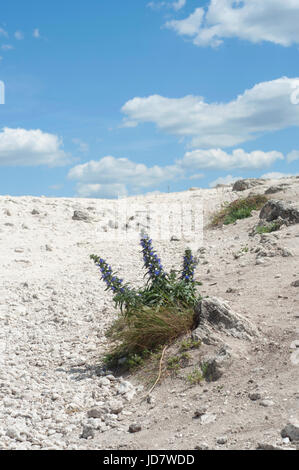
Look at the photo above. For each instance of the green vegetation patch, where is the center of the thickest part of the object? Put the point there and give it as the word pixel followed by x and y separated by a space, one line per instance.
pixel 239 209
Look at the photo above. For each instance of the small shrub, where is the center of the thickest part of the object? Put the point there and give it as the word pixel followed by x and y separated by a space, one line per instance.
pixel 195 377
pixel 148 328
pixel 188 344
pixel 272 227
pixel 204 368
pixel 175 363
pixel 239 209
pixel 153 316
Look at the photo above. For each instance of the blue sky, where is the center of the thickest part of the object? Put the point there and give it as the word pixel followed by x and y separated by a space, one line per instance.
pixel 112 97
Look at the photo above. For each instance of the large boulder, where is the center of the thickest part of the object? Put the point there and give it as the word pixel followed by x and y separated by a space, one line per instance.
pixel 276 188
pixel 80 215
pixel 242 185
pixel 276 209
pixel 213 315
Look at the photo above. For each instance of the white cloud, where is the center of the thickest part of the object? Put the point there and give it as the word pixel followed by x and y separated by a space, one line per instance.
pixel 228 179
pixel 83 147
pixel 156 5
pixel 36 33
pixel 20 147
pixel 3 32
pixel 19 35
pixel 111 171
pixel 107 191
pixel 190 26
pixel 7 47
pixel 274 21
pixel 292 156
pixel 197 176
pixel 276 175
pixel 218 159
pixel 266 107
pixel 116 176
pixel 176 5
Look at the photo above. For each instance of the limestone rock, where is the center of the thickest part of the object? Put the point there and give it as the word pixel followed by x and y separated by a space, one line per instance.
pixel 80 215
pixel 242 185
pixel 291 430
pixel 213 315
pixel 274 209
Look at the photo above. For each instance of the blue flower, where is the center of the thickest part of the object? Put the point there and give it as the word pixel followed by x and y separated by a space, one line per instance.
pixel 189 265
pixel 151 261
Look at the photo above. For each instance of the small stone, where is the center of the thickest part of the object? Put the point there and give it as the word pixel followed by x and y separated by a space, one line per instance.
pixel 134 428
pixel 116 406
pixel 104 381
pixel 207 418
pixel 222 440
pixel 266 403
pixel 254 396
pixel 291 431
pixel 124 387
pixel 200 412
pixel 264 446
pixel 295 283
pixel 202 446
pixel 87 433
pixel 80 215
pixel 95 413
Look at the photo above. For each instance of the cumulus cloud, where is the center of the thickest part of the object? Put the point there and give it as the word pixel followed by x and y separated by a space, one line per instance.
pixel 218 159
pixel 7 47
pixel 266 107
pixel 273 21
pixel 276 175
pixel 292 156
pixel 83 147
pixel 19 35
pixel 21 147
pixel 36 33
pixel 110 176
pixel 197 176
pixel 93 175
pixel 3 32
pixel 107 191
pixel 176 5
pixel 228 179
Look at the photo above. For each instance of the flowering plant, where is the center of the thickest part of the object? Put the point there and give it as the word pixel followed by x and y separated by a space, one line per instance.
pixel 161 289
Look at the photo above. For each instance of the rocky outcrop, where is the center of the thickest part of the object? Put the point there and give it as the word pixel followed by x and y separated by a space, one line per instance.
pixel 276 188
pixel 213 316
pixel 242 185
pixel 274 210
pixel 80 215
